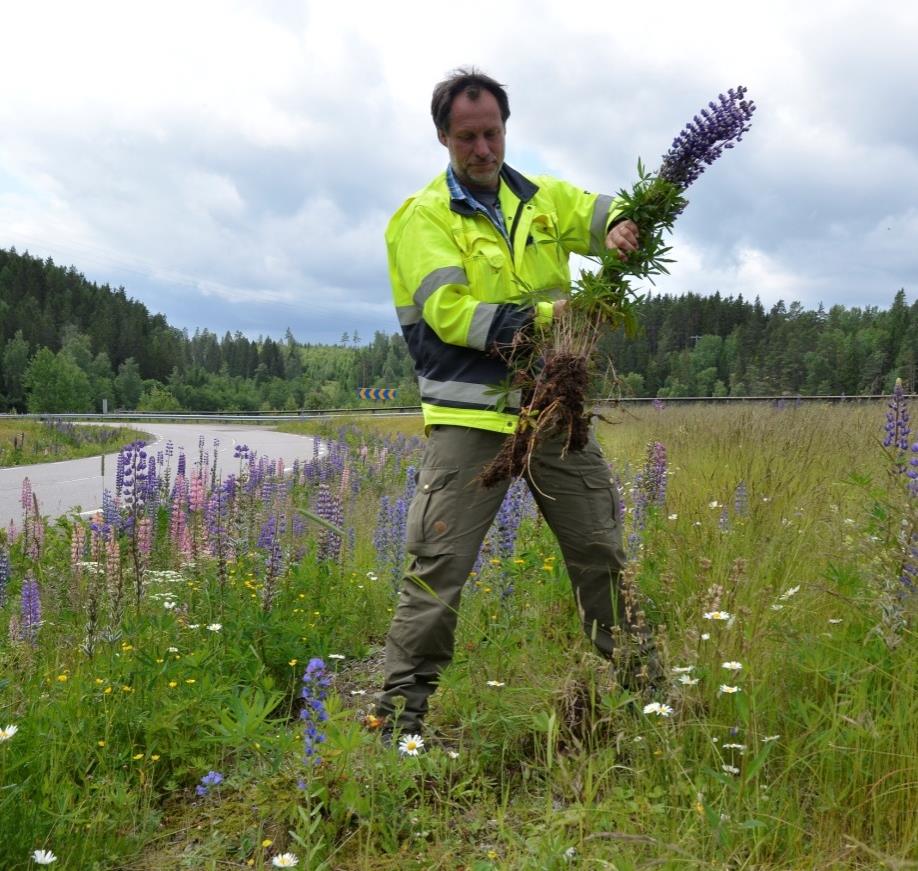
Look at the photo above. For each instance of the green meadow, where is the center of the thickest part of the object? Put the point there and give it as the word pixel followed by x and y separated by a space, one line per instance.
pixel 157 707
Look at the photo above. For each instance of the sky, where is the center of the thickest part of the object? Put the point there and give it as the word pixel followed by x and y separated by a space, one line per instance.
pixel 233 165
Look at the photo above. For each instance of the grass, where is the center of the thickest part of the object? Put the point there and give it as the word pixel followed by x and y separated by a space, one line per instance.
pixel 23 442
pixel 786 519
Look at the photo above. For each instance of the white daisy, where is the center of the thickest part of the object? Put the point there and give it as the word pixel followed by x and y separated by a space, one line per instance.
pixel 716 615
pixel 335 656
pixel 714 504
pixel 659 709
pixel 495 683
pixel 8 732
pixel 741 748
pixel 682 669
pixel 769 738
pixel 687 680
pixel 791 591
pixel 214 627
pixel 732 665
pixel 285 860
pixel 411 745
pixel 728 690
pixel 730 769
pixel 43 857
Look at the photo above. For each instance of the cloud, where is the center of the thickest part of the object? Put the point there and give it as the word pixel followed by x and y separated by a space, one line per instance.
pixel 234 164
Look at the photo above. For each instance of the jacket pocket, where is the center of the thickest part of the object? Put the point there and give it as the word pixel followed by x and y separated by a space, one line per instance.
pixel 432 514
pixel 545 258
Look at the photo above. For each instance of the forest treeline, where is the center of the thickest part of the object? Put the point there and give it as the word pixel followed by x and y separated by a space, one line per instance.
pixel 67 344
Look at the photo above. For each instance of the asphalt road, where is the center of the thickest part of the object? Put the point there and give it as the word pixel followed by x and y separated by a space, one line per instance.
pixel 78 484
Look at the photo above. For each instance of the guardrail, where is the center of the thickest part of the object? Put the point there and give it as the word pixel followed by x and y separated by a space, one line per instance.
pixel 319 414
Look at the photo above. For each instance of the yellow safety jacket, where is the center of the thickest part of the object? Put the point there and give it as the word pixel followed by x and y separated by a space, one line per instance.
pixel 457 282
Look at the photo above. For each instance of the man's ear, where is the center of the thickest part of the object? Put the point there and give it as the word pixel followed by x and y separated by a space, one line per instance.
pixel 442 137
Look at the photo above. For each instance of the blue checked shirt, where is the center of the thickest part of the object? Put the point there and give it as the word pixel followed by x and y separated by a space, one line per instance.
pixel 458 191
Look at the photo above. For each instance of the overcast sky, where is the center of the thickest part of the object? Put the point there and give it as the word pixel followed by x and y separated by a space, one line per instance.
pixel 233 164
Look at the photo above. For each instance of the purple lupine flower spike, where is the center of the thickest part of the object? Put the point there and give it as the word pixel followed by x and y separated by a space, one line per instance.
pixel 315 687
pixel 30 618
pixel 4 573
pixel 704 138
pixel 897 420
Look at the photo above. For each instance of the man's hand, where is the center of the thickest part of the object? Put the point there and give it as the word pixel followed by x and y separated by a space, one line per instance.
pixel 623 237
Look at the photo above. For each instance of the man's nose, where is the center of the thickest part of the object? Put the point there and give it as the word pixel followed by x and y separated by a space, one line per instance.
pixel 482 147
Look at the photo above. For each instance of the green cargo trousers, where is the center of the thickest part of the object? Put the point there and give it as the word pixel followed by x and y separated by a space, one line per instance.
pixel 447 522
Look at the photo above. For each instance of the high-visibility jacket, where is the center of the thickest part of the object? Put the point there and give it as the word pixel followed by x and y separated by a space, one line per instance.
pixel 457 283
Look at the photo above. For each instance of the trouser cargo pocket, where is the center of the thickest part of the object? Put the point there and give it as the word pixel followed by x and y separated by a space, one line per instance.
pixel 432 514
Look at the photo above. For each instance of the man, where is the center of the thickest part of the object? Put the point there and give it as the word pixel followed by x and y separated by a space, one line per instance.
pixel 460 252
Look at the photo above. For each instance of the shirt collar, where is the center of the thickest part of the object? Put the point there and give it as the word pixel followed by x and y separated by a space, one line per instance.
pixel 458 191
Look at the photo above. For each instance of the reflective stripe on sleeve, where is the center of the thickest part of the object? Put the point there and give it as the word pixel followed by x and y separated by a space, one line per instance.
pixel 598 224
pixel 408 315
pixel 469 395
pixel 436 279
pixel 481 323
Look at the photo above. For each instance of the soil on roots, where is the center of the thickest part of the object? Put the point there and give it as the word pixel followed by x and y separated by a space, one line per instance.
pixel 557 406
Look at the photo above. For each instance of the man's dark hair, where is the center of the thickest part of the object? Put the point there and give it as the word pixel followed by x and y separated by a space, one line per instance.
pixel 471 82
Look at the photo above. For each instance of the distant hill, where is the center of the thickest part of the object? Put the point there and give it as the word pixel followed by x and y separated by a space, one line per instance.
pixel 87 343
pixel 41 299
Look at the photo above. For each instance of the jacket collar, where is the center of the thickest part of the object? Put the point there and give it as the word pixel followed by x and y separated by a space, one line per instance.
pixel 520 186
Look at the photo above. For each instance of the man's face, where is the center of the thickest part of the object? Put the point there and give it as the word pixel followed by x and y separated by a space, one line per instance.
pixel 475 140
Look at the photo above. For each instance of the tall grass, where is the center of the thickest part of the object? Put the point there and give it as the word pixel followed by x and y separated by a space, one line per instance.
pixel 784 522
pixel 30 441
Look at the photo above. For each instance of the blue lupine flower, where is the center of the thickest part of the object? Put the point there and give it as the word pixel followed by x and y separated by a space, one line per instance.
pixel 638 515
pixel 30 618
pixel 131 483
pixel 110 510
pixel 706 136
pixel 897 426
pixel 316 681
pixel 4 573
pixel 912 471
pixel 741 500
pixel 654 474
pixel 328 507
